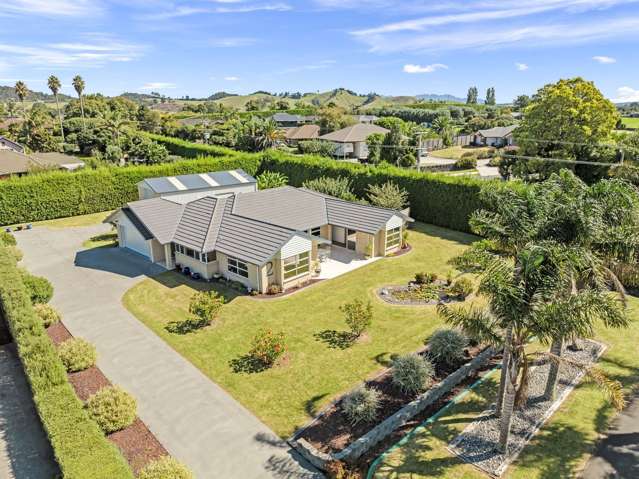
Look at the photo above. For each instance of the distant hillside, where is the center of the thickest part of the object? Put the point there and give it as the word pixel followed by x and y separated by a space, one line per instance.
pixel 141 97
pixel 445 97
pixel 8 93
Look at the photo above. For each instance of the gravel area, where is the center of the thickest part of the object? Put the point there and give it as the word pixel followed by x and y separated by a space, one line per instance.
pixel 476 444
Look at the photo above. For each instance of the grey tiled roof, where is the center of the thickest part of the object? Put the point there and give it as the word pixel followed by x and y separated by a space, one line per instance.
pixel 253 226
pixel 498 131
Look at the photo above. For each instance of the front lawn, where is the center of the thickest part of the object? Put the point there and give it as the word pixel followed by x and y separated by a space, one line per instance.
pixel 632 123
pixel 455 152
pixel 560 448
pixel 317 369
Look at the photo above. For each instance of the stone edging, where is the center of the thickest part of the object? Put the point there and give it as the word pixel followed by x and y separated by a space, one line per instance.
pixel 357 448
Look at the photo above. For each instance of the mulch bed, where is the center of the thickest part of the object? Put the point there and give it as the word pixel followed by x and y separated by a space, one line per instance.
pixel 331 431
pixel 288 291
pixel 138 445
pixel 401 252
pixel 387 295
pixel 88 382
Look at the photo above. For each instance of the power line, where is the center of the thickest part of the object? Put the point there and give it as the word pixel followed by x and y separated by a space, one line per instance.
pixel 560 160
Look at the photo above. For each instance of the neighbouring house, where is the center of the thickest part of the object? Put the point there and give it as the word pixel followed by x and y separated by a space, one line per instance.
pixel 350 142
pixel 366 118
pixel 286 120
pixel 302 133
pixel 217 183
pixel 7 144
pixel 268 239
pixel 13 163
pixel 498 136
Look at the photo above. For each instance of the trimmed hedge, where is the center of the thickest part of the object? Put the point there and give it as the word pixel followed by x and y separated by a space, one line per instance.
pixel 79 445
pixel 187 149
pixel 441 200
pixel 61 194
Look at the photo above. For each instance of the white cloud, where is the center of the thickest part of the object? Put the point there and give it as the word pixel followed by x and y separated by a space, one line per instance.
pixel 604 59
pixel 626 94
pixel 522 67
pixel 232 42
pixel 410 68
pixel 229 7
pixel 52 8
pixel 99 51
pixel 154 86
pixel 231 78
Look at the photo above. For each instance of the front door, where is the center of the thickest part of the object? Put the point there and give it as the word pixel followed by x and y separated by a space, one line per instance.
pixel 351 239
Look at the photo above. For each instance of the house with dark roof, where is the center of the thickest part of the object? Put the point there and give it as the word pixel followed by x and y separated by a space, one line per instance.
pixel 218 183
pixel 7 144
pixel 498 136
pixel 268 239
pixel 14 163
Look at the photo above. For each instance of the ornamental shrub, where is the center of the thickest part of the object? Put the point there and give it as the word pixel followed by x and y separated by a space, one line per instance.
pixel 446 346
pixel 412 373
pixel 112 408
pixel 267 347
pixel 47 314
pixel 40 289
pixel 425 278
pixel 205 306
pixel 462 288
pixel 271 179
pixel 358 316
pixel 466 163
pixel 337 187
pixel 316 147
pixel 361 405
pixel 77 354
pixel 7 239
pixel 165 468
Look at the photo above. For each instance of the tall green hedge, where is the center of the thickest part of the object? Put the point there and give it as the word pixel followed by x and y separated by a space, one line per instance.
pixel 179 147
pixel 441 200
pixel 60 194
pixel 81 449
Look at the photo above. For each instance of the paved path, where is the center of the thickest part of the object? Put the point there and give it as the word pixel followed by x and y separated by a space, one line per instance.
pixel 617 455
pixel 25 452
pixel 196 420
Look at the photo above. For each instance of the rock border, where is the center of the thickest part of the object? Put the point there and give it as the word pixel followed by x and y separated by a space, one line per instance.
pixel 382 430
pixel 385 294
pixel 478 457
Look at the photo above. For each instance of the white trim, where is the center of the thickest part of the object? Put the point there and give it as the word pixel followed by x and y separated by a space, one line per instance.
pixel 209 180
pixel 177 183
pixel 237 176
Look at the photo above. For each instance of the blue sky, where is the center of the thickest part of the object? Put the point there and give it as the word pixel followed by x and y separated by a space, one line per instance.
pixel 197 47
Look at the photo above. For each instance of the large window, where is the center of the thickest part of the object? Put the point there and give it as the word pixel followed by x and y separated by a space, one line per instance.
pixel 296 266
pixel 191 253
pixel 393 238
pixel 238 267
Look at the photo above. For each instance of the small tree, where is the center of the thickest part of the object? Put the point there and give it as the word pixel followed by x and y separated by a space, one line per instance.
pixel 388 195
pixel 358 316
pixel 268 346
pixel 205 305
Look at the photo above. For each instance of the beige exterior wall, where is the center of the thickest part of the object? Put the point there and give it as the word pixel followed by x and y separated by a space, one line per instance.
pixel 362 242
pixel 255 273
pixel 205 270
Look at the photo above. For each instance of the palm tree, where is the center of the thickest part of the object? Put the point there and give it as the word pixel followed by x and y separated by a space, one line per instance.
pixel 22 91
pixel 78 85
pixel 54 86
pixel 526 300
pixel 267 135
pixel 115 123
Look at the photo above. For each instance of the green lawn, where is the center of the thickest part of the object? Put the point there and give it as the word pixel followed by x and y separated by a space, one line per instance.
pixel 287 396
pixel 455 152
pixel 71 221
pixel 631 123
pixel 561 447
pixel 106 240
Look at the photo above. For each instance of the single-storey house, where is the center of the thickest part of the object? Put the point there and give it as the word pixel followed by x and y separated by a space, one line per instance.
pixel 217 183
pixel 350 142
pixel 498 136
pixel 267 238
pixel 302 133
pixel 13 163
pixel 366 118
pixel 7 144
pixel 286 120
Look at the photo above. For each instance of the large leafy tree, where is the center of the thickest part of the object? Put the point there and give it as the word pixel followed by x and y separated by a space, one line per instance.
pixel 567 120
pixel 55 85
pixel 471 97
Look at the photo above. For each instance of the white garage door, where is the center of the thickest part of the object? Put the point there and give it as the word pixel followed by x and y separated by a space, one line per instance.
pixel 132 239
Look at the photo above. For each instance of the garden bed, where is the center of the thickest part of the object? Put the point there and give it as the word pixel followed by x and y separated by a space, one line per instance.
pixel 137 444
pixel 421 294
pixel 331 436
pixel 477 443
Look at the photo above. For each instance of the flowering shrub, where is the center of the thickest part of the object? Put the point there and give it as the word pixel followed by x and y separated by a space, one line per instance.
pixel 268 346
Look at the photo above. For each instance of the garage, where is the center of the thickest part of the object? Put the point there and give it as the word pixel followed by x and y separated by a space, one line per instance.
pixel 132 234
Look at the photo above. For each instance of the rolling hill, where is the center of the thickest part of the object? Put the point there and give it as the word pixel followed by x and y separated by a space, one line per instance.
pixel 8 93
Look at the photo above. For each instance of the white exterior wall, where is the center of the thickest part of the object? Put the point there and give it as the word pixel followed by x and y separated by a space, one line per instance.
pixel 360 150
pixel 394 222
pixel 129 237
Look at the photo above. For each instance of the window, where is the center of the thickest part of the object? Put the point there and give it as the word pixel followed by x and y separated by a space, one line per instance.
pixel 316 231
pixel 238 267
pixel 393 238
pixel 297 265
pixel 209 257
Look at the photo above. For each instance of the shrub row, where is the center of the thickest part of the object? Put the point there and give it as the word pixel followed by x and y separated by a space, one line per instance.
pixel 60 194
pixel 79 445
pixel 187 149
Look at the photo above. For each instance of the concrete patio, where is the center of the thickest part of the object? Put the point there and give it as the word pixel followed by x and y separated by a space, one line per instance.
pixel 341 260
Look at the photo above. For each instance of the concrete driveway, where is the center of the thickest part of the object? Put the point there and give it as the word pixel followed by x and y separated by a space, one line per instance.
pixel 196 420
